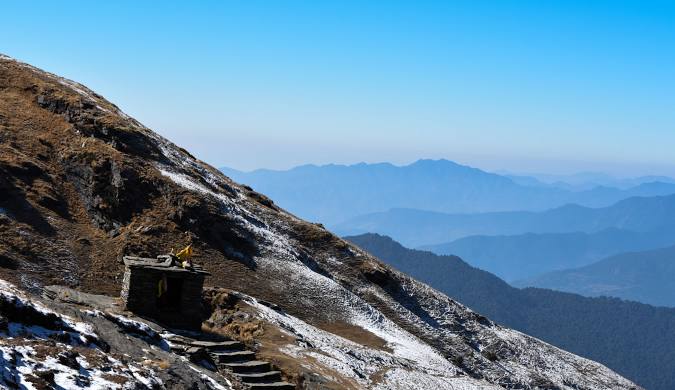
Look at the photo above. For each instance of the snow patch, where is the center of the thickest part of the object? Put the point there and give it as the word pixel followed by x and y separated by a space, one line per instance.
pixel 277 243
pixel 361 363
pixel 18 364
pixel 129 325
pixel 212 382
pixel 82 331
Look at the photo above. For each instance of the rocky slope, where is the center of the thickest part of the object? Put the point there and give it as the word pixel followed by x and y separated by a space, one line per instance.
pixel 49 344
pixel 83 184
pixel 629 337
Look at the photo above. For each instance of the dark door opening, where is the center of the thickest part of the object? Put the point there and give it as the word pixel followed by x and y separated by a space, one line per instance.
pixel 171 298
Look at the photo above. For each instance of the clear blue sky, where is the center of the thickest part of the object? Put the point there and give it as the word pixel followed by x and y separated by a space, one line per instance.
pixel 553 86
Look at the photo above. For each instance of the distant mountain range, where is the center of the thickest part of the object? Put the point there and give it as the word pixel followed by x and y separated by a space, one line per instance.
pixel 416 228
pixel 584 180
pixel 527 255
pixel 436 205
pixel 331 194
pixel 647 276
pixel 634 339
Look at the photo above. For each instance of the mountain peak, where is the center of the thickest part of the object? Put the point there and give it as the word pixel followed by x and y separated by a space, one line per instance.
pixel 435 162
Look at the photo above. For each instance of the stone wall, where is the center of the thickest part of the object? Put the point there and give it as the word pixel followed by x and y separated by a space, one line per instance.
pixel 139 293
pixel 125 284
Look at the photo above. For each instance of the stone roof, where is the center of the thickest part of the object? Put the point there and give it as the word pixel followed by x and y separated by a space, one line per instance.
pixel 161 263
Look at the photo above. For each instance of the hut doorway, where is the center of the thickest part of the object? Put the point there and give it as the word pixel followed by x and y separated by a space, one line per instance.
pixel 174 292
pixel 170 293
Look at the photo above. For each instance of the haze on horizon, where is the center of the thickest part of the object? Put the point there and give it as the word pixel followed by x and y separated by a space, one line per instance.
pixel 555 87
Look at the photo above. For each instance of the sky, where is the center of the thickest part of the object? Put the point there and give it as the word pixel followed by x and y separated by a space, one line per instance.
pixel 523 86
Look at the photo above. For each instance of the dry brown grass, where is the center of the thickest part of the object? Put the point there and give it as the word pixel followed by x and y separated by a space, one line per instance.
pixel 114 378
pixel 269 341
pixel 270 349
pixel 222 304
pixel 161 364
pixel 355 334
pixel 378 376
pixel 246 332
pixel 317 235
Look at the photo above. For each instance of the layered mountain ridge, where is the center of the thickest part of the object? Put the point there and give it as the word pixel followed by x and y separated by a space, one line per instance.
pixel 337 194
pixel 85 184
pixel 419 228
pixel 523 256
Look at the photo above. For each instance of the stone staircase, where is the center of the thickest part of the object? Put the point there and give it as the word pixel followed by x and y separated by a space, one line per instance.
pixel 232 356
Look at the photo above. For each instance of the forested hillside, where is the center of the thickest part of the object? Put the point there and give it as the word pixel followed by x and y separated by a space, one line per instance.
pixel 647 276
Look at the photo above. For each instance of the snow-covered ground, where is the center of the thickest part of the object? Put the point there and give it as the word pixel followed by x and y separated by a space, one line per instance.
pixel 29 351
pixel 21 365
pixel 41 347
pixel 412 364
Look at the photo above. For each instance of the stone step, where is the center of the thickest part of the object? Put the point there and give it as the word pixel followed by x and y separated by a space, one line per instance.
pixel 233 356
pixel 262 377
pixel 254 366
pixel 218 346
pixel 272 386
pixel 178 339
pixel 179 349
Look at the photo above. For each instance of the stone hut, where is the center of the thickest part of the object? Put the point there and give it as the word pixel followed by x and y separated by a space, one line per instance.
pixel 161 290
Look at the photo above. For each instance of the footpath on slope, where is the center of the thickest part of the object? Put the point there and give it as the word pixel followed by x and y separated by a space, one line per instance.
pixel 216 352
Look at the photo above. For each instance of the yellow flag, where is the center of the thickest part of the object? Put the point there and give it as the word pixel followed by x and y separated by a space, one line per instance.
pixel 185 253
